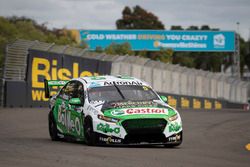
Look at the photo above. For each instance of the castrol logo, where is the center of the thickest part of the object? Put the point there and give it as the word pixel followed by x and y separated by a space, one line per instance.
pixel 146 111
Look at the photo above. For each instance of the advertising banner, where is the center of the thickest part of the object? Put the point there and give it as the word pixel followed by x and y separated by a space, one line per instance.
pixel 154 40
pixel 52 66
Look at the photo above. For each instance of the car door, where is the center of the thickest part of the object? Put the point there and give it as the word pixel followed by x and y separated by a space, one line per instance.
pixel 75 119
pixel 61 108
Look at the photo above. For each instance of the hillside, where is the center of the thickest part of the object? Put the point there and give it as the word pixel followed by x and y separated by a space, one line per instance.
pixel 12 28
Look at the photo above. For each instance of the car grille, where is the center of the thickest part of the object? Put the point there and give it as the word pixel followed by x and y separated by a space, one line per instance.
pixel 144 126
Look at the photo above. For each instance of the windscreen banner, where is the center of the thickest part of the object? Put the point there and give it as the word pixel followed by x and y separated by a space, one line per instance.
pixel 155 40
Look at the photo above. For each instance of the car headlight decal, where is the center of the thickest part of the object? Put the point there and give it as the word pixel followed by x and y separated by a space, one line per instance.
pixel 108 119
pixel 173 118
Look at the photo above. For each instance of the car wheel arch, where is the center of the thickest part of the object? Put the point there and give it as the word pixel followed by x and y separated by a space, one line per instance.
pixel 87 118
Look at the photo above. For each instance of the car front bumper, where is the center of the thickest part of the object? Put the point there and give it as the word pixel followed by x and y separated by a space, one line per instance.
pixel 119 133
pixel 175 139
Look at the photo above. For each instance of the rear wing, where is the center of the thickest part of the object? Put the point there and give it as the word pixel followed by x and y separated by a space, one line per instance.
pixel 49 83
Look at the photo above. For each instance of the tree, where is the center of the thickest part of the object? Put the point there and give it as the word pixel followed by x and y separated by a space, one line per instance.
pixel 183 59
pixel 199 60
pixel 205 27
pixel 119 49
pixel 247 55
pixel 247 60
pixel 138 18
pixel 14 27
pixel 244 55
pixel 165 55
pixel 193 28
pixel 177 27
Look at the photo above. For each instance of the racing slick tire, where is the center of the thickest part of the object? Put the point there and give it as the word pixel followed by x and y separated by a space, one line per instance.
pixel 53 132
pixel 89 134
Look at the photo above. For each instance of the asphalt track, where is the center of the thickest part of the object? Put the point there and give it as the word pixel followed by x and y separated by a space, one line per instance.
pixel 211 138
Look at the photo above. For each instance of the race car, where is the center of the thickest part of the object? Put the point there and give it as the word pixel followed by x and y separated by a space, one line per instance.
pixel 114 110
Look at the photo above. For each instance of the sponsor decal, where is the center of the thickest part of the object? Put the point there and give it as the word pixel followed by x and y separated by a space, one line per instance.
pixel 184 102
pixel 97 78
pixel 92 109
pixel 196 103
pixel 117 112
pixel 174 138
pixel 110 140
pixel 77 126
pixel 65 119
pixel 96 102
pixel 146 111
pixel 57 82
pixel 207 104
pixel 131 111
pixel 107 129
pixel 94 84
pixel 154 40
pixel 106 83
pixel 125 77
pixel 174 127
pixel 46 68
pixel 132 104
pixel 75 100
pixel 172 101
pixel 217 105
pixel 219 41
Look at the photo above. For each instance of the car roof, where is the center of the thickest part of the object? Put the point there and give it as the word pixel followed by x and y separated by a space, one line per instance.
pixel 107 80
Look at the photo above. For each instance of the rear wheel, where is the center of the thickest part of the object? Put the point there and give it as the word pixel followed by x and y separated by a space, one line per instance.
pixel 53 132
pixel 89 134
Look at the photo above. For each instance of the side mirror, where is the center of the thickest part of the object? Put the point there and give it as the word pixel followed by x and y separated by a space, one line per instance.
pixel 164 98
pixel 75 101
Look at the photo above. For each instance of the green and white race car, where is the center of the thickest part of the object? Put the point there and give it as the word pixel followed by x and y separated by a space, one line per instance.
pixel 112 110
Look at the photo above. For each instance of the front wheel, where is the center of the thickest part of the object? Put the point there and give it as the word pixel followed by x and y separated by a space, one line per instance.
pixel 53 132
pixel 89 134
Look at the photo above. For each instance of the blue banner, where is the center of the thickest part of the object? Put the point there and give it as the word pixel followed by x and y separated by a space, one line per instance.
pixel 154 40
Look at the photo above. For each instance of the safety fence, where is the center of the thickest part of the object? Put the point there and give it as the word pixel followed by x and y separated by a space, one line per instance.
pixel 27 63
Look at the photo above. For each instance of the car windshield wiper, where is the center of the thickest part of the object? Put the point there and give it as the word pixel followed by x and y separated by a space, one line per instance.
pixel 118 90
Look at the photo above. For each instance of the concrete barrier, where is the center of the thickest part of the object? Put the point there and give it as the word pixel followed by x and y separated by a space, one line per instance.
pixel 165 78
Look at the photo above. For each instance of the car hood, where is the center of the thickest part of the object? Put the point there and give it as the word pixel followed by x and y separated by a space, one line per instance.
pixel 137 109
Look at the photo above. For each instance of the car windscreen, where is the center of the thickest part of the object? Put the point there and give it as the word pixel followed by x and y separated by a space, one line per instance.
pixel 121 92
